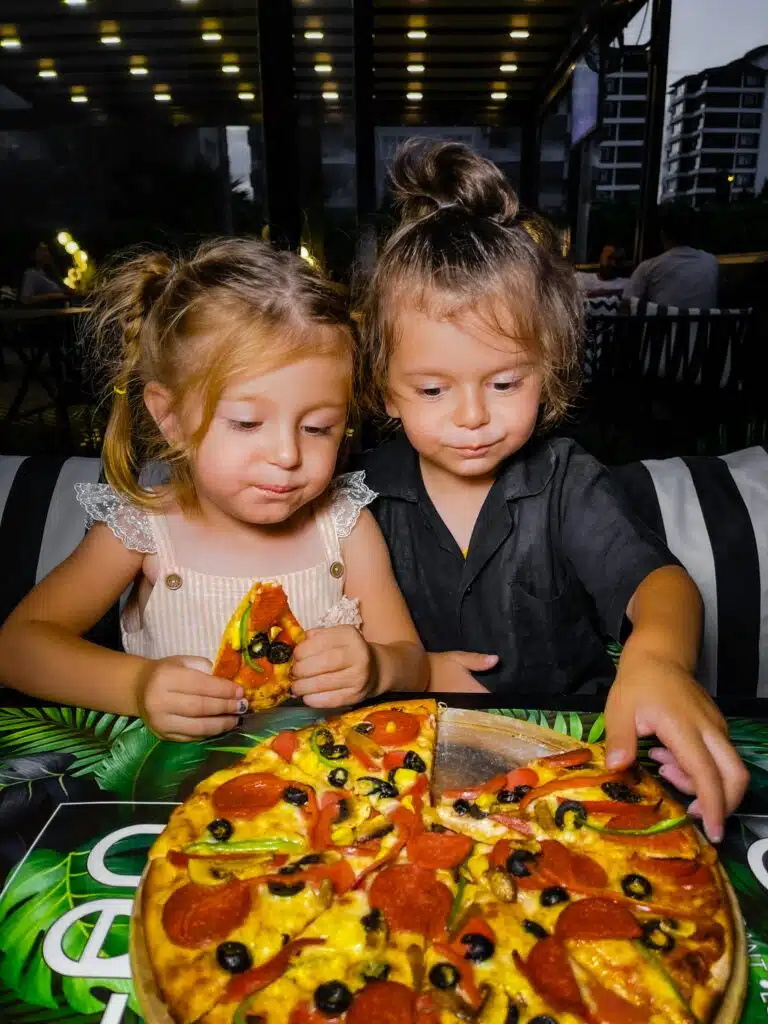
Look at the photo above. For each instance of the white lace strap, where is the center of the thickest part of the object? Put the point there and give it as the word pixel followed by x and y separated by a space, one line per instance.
pixel 349 496
pixel 129 524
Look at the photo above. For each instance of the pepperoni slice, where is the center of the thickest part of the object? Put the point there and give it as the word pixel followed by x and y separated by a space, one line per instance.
pixel 393 728
pixel 559 864
pixel 613 1008
pixel 245 796
pixel 586 871
pixel 522 777
pixel 688 874
pixel 304 1014
pixel 512 821
pixel 197 915
pixel 267 609
pixel 598 918
pixel 550 973
pixel 393 759
pixel 408 823
pixel 568 759
pixel 635 816
pixel 285 744
pixel 499 855
pixel 177 858
pixel 383 1002
pixel 438 850
pixel 229 663
pixel 411 899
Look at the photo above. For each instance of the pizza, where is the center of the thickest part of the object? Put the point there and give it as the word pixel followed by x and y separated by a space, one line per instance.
pixel 317 881
pixel 256 650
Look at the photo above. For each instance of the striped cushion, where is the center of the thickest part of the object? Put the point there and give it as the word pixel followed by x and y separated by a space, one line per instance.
pixel 40 525
pixel 713 515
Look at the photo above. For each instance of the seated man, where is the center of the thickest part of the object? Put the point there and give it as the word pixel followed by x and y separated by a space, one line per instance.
pixel 681 276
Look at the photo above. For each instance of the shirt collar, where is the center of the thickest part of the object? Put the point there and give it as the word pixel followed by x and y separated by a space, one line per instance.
pixel 393 470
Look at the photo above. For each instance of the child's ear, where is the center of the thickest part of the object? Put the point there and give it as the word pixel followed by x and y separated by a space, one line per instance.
pixel 158 401
pixel 391 408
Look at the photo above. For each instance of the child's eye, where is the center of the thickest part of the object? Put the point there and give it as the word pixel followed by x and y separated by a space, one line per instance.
pixel 317 431
pixel 430 392
pixel 244 424
pixel 505 385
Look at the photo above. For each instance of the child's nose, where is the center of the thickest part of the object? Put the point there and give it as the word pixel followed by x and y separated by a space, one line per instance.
pixel 471 411
pixel 286 451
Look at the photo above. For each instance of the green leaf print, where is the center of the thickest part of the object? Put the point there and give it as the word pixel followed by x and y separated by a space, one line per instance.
pixel 560 724
pixel 575 727
pixel 86 735
pixel 45 887
pixel 750 738
pixel 597 731
pixel 140 766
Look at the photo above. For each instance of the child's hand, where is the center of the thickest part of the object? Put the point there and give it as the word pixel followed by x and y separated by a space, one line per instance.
pixel 333 666
pixel 652 695
pixel 181 700
pixel 451 671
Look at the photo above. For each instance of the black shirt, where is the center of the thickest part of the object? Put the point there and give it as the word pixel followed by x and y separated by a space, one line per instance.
pixel 554 559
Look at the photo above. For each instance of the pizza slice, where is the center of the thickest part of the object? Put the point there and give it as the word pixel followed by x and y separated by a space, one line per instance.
pixel 256 650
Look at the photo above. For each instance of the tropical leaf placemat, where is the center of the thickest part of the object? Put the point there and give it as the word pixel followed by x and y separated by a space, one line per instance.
pixel 83 795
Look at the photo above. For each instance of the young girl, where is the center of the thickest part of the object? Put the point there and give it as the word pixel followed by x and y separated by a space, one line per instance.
pixel 502 542
pixel 235 367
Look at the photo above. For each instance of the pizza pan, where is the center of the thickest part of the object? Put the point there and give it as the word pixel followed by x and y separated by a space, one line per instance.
pixel 472 746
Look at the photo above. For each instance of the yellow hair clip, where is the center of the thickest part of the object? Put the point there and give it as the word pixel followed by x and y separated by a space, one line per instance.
pixel 118 391
pixel 349 432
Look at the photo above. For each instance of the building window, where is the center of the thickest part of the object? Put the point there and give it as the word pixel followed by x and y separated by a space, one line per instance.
pixel 749 120
pixel 608 154
pixel 605 178
pixel 746 160
pixel 750 99
pixel 609 131
pixel 628 176
pixel 611 86
pixel 745 180
pixel 633 108
pixel 631 132
pixel 752 79
pixel 749 141
pixel 611 109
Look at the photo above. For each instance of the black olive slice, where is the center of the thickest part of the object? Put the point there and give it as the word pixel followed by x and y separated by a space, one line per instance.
pixel 220 829
pixel 377 970
pixel 333 998
pixel 289 869
pixel 518 861
pixel 379 787
pixel 323 737
pixel 570 812
pixel 477 813
pixel 479 947
pixel 655 938
pixel 637 887
pixel 378 833
pixel 513 1013
pixel 535 929
pixel 334 751
pixel 285 888
pixel 413 762
pixel 512 796
pixel 258 645
pixel 233 957
pixel 364 728
pixel 620 791
pixel 342 812
pixel 372 921
pixel 437 827
pixel 338 777
pixel 542 1018
pixel 553 895
pixel 279 653
pixel 444 976
pixel 310 858
pixel 461 806
pixel 294 795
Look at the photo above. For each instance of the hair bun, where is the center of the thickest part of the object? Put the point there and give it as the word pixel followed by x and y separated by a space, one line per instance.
pixel 427 176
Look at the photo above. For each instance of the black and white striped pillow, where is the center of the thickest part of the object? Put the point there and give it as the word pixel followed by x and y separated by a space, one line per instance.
pixel 41 524
pixel 712 512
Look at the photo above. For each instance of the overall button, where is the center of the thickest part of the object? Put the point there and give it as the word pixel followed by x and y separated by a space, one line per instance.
pixel 337 570
pixel 173 581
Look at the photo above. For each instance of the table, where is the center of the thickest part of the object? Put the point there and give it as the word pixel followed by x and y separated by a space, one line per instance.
pixel 83 795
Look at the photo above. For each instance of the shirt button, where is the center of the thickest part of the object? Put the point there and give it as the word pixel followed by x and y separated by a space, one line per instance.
pixel 337 570
pixel 173 581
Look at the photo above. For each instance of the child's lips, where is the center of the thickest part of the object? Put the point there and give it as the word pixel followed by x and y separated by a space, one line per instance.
pixel 276 488
pixel 475 451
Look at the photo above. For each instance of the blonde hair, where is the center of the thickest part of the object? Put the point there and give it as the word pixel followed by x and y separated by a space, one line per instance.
pixel 462 247
pixel 233 307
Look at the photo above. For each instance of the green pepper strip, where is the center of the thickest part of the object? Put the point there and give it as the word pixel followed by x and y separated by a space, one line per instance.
pixel 655 961
pixel 213 848
pixel 241 1013
pixel 653 830
pixel 244 642
pixel 457 901
pixel 316 749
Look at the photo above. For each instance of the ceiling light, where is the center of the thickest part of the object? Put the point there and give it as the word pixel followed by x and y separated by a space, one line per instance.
pixel 75 3
pixel 47 73
pixel 78 94
pixel 415 96
pixel 211 30
pixel 10 43
pixel 79 98
pixel 415 69
pixel 246 96
pixel 416 33
pixel 111 40
pixel 313 34
pixel 139 71
pixel 63 237
pixel 330 94
pixel 163 97
pixel 508 69
pixel 211 37
pixel 519 33
pixel 499 95
pixel 110 33
pixel 323 69
pixel 230 69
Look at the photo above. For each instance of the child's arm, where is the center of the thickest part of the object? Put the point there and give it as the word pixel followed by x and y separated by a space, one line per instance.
pixel 339 665
pixel 655 693
pixel 42 651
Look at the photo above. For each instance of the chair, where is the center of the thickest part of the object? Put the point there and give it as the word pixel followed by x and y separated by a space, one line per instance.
pixel 712 513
